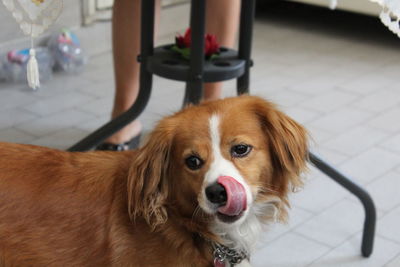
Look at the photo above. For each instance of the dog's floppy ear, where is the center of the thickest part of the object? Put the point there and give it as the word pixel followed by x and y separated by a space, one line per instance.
pixel 288 142
pixel 147 183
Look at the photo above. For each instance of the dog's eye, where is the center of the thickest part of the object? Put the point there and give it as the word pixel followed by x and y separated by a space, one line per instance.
pixel 194 162
pixel 240 151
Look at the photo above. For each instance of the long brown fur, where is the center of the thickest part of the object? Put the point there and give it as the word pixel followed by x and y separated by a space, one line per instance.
pixel 136 208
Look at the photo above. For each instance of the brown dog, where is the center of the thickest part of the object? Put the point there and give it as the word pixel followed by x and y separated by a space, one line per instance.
pixel 206 180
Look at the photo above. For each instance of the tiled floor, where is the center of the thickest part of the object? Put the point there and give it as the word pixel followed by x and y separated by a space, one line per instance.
pixel 335 73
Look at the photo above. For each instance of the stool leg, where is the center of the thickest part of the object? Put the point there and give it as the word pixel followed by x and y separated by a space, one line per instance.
pixel 147 43
pixel 361 194
pixel 245 42
pixel 194 86
pixel 193 93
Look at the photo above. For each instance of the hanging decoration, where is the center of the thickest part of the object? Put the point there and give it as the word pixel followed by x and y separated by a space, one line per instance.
pixel 390 14
pixel 34 17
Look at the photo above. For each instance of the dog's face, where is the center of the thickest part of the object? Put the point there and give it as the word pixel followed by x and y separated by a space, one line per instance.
pixel 224 160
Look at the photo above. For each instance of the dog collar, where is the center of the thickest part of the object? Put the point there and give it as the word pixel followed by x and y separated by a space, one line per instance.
pixel 224 255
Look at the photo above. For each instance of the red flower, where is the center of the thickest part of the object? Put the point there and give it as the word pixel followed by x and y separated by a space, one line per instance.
pixel 211 47
pixel 184 41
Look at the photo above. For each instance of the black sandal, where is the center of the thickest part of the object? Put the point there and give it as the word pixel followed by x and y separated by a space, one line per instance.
pixel 131 144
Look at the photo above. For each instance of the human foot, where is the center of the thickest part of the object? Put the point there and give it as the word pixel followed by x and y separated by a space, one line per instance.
pixel 125 139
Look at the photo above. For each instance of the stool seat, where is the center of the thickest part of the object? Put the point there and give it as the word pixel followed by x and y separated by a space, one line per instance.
pixel 169 64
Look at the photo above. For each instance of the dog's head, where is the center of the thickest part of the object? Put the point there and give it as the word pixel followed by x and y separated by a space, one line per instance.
pixel 226 160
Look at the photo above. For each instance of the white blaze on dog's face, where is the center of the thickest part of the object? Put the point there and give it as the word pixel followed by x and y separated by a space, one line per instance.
pixel 225 192
pixel 239 176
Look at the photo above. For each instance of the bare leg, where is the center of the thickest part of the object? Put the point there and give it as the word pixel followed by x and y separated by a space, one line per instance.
pixel 222 20
pixel 126 47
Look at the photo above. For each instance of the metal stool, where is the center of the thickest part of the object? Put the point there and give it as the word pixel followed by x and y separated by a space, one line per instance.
pixel 230 64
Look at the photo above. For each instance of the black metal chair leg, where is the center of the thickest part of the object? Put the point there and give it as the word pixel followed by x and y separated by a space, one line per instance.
pixel 193 94
pixel 146 78
pixel 361 194
pixel 194 85
pixel 245 42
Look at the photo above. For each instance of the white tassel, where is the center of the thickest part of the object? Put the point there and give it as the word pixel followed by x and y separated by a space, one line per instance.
pixel 33 70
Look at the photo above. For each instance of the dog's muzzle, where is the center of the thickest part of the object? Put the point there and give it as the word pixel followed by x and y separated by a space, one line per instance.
pixel 229 197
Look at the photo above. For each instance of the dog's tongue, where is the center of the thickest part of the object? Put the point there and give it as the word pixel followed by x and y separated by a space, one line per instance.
pixel 236 196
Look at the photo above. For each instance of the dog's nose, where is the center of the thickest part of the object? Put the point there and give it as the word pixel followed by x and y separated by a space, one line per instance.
pixel 216 194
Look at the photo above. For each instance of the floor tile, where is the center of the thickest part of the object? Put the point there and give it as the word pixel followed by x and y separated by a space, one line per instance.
pixel 393 143
pixel 98 107
pixel 394 263
pixel 58 103
pixel 341 120
pixel 379 101
pixel 319 193
pixel 14 116
pixel 288 251
pixel 387 121
pixel 158 108
pixel 62 139
pixel 316 86
pixel 348 254
pixel 335 224
pixel 356 140
pixel 271 82
pixel 391 69
pixel 287 98
pixel 370 164
pixel 97 89
pixel 100 74
pixel 356 65
pixel 301 115
pixel 15 98
pixel 388 226
pixel 385 191
pixel 53 123
pixel 69 83
pixel 330 101
pixel 331 157
pixel 275 230
pixel 317 135
pixel 308 69
pixel 93 123
pixel 165 88
pixel 15 136
pixel 367 83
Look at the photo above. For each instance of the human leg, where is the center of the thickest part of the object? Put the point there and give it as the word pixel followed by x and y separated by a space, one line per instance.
pixel 222 20
pixel 126 47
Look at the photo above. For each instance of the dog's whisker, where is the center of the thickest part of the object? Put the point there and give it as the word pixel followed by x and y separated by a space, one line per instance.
pixel 195 212
pixel 263 189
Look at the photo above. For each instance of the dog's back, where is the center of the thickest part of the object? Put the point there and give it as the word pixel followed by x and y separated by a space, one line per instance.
pixel 50 197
